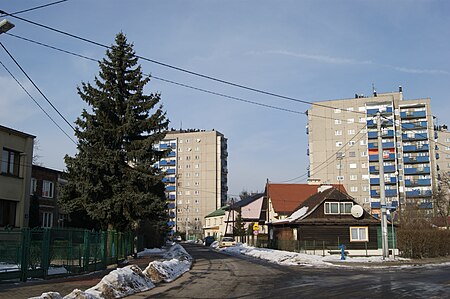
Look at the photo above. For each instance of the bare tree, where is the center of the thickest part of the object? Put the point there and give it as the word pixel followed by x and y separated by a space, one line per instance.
pixel 441 199
pixel 36 156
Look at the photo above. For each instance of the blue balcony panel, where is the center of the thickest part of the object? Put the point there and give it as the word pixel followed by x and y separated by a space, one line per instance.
pixel 170 188
pixel 412 171
pixel 171 154
pixel 171 205
pixel 375 205
pixel 426 205
pixel 374 158
pixel 170 171
pixel 170 223
pixel 417 136
pixel 413 114
pixel 415 125
pixel 373 134
pixel 418 159
pixel 390 193
pixel 371 123
pixel 414 148
pixel 418 193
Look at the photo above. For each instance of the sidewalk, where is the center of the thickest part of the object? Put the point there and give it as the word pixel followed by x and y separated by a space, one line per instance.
pixel 64 286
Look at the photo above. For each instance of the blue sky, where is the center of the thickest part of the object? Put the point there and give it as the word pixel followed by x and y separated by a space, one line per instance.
pixel 309 50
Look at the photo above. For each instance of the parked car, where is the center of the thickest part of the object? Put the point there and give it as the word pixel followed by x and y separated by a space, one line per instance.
pixel 209 240
pixel 227 242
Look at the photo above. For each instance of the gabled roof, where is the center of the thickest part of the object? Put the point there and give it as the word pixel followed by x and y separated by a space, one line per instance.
pixel 286 198
pixel 218 212
pixel 247 200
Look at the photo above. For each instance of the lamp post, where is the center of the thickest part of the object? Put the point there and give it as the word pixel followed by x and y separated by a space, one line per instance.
pixel 5 26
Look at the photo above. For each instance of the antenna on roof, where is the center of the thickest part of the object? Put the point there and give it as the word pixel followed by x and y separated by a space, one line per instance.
pixel 373 90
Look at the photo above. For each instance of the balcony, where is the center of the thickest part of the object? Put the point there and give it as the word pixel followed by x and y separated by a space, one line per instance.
pixel 415 125
pixel 171 223
pixel 390 181
pixel 167 163
pixel 386 145
pixel 170 171
pixel 426 205
pixel 171 205
pixel 418 159
pixel 168 180
pixel 374 111
pixel 171 197
pixel 375 205
pixel 171 215
pixel 172 154
pixel 418 193
pixel 371 123
pixel 387 193
pixel 387 169
pixel 416 137
pixel 374 158
pixel 417 183
pixel 416 148
pixel 413 171
pixel 413 114
pixel 170 188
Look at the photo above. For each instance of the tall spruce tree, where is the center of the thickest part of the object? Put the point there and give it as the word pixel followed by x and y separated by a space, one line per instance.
pixel 112 177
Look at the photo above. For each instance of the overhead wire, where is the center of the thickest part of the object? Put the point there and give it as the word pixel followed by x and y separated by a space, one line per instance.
pixel 36 7
pixel 171 81
pixel 241 86
pixel 37 88
pixel 36 102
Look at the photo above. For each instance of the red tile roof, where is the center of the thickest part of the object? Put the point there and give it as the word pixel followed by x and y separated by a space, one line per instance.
pixel 286 198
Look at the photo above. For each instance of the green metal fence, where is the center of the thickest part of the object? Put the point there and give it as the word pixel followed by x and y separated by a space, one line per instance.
pixel 40 253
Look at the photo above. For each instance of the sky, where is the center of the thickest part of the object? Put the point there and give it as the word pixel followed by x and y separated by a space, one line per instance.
pixel 306 50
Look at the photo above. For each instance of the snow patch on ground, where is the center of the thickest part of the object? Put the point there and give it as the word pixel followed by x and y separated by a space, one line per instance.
pixel 131 279
pixel 151 251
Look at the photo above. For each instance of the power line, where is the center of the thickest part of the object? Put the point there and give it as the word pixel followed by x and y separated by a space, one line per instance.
pixel 179 68
pixel 34 8
pixel 171 81
pixel 38 89
pixel 34 100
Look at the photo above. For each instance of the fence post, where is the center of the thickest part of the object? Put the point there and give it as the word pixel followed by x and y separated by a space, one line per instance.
pixel 314 246
pixel 323 248
pixel 45 253
pixel 25 254
pixel 365 243
pixel 86 250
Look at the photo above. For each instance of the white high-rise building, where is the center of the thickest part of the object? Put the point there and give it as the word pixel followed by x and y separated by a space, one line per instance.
pixel 343 148
pixel 196 177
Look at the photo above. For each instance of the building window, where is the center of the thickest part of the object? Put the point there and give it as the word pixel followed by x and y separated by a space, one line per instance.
pixel 197 165
pixel 47 189
pixel 350 120
pixel 33 186
pixel 196 192
pixel 353 189
pixel 7 212
pixel 359 234
pixel 352 165
pixel 352 142
pixel 362 119
pixel 337 121
pixel 362 142
pixel 338 143
pixel 363 154
pixel 10 162
pixel 47 219
pixel 338 207
pixel 337 110
pixel 338 133
pixel 352 154
pixel 363 165
pixel 353 177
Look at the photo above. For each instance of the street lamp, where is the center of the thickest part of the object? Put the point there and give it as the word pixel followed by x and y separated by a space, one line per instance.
pixel 5 26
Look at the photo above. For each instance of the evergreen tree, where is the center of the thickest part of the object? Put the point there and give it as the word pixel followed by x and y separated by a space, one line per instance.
pixel 112 176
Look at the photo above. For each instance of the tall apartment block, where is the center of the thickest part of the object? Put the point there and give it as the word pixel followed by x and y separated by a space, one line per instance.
pixel 443 150
pixel 196 177
pixel 343 148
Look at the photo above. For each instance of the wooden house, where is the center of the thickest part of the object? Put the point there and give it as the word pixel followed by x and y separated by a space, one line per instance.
pixel 325 221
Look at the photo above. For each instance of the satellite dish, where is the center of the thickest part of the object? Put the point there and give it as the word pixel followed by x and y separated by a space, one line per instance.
pixel 357 211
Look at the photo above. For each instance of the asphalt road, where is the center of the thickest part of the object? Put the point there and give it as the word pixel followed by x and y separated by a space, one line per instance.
pixel 217 275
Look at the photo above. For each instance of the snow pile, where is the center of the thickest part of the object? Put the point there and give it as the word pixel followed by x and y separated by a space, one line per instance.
pixel 278 256
pixel 294 216
pixel 178 262
pixel 122 282
pixel 50 295
pixel 177 252
pixel 167 271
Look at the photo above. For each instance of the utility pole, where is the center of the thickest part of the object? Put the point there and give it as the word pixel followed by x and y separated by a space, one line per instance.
pixel 384 232
pixel 187 218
